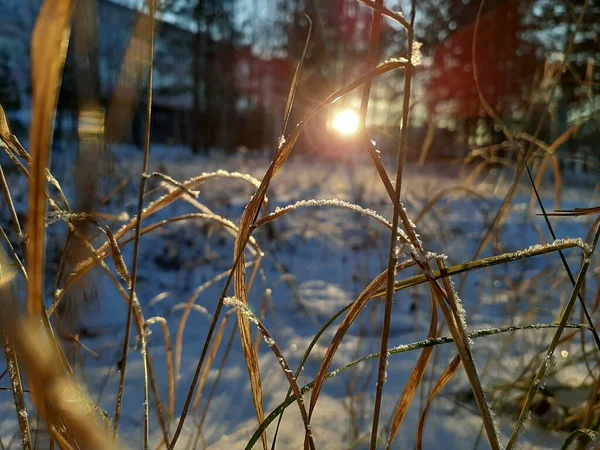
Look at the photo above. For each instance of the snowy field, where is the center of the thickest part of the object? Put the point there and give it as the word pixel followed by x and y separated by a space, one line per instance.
pixel 316 261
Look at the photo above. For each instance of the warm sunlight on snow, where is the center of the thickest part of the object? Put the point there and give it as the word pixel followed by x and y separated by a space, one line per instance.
pixel 346 122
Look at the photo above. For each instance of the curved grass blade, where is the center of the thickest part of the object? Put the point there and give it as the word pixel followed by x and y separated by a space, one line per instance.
pixel 416 377
pixel 582 438
pixel 48 51
pixel 441 383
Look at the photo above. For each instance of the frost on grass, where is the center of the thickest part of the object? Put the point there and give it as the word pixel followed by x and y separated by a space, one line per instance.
pixel 576 242
pixel 460 309
pixel 551 365
pixel 431 255
pixel 494 421
pixel 234 302
pixel 400 60
pixel 281 142
pixel 416 57
pixel 404 248
pixel 336 203
pixel 193 183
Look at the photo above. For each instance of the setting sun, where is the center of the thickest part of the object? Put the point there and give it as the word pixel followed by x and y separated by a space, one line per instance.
pixel 346 122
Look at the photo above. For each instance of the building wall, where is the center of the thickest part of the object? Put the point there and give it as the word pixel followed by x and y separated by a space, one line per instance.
pixel 256 99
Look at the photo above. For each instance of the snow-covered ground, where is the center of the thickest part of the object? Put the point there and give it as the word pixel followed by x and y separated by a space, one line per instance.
pixel 317 260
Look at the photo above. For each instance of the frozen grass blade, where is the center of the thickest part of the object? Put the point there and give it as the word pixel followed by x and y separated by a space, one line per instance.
pixel 441 383
pixel 334 203
pixel 418 345
pixel 550 352
pixel 456 321
pixel 248 219
pixel 535 250
pixel 243 310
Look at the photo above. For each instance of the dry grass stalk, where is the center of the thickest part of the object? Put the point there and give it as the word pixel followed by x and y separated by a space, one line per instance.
pixel 65 407
pixel 456 325
pixel 416 377
pixel 48 51
pixel 183 322
pixel 441 383
pixel 169 356
pixel 17 389
pixel 138 60
pixel 211 358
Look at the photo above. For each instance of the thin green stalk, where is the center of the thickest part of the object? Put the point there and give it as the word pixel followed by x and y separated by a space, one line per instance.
pixel 550 352
pixel 417 345
pixel 490 261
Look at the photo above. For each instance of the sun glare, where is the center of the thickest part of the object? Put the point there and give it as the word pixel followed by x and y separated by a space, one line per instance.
pixel 346 122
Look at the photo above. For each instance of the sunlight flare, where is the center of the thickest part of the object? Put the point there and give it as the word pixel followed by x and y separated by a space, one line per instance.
pixel 346 122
